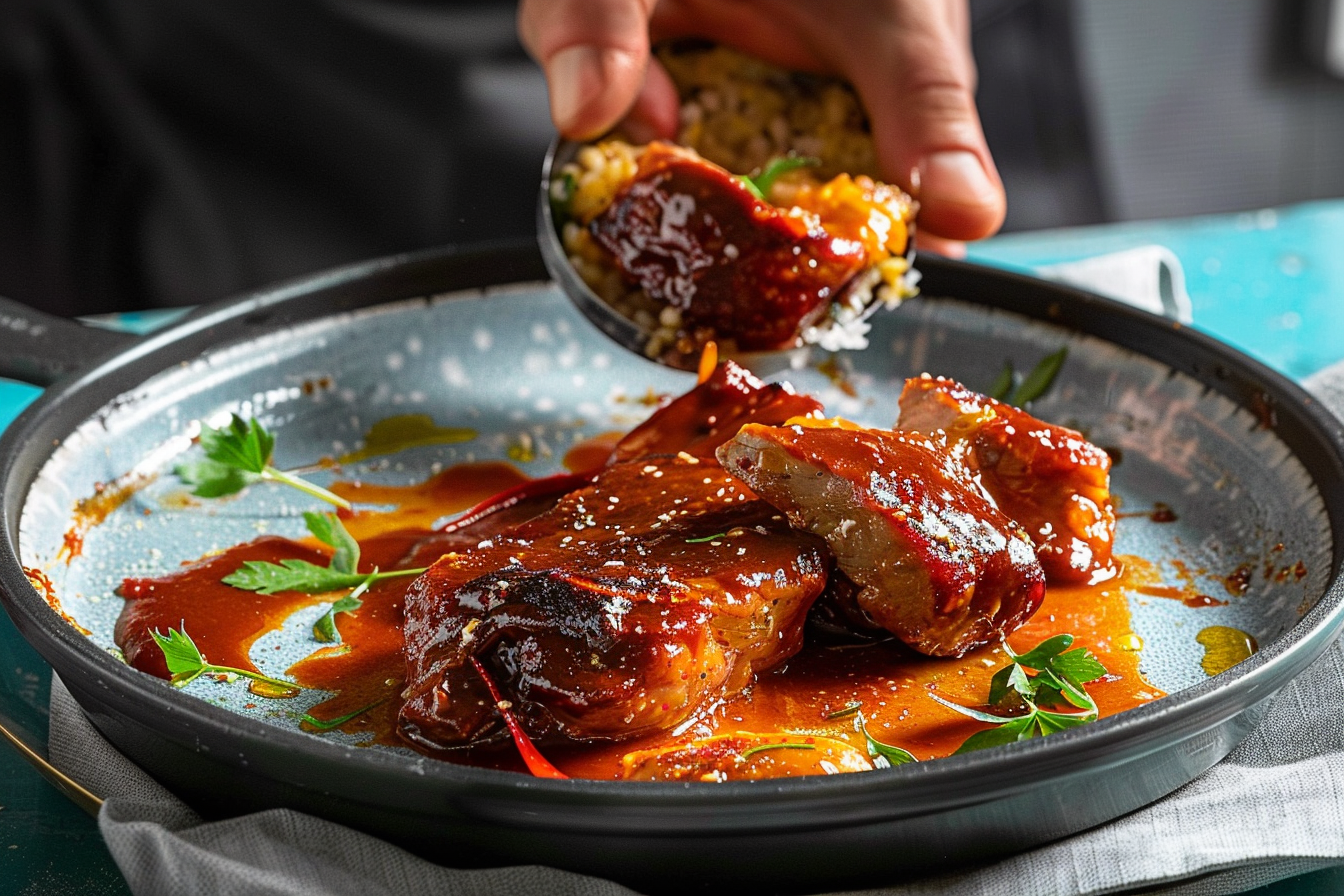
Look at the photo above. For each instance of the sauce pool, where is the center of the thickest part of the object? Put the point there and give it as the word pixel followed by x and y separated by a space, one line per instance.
pixel 367 670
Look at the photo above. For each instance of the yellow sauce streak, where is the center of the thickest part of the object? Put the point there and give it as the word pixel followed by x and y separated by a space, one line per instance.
pixel 393 434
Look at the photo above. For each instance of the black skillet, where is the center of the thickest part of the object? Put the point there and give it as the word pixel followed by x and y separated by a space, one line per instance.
pixel 1266 464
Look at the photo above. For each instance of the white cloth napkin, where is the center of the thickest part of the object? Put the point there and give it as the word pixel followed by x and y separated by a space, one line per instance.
pixel 1273 809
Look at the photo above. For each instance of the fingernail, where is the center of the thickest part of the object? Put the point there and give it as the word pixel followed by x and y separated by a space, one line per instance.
pixel 955 177
pixel 572 73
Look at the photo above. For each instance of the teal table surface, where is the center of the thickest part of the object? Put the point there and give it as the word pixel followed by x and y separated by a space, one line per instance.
pixel 1270 282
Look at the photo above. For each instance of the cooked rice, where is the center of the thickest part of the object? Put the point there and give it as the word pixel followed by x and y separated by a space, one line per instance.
pixel 739 113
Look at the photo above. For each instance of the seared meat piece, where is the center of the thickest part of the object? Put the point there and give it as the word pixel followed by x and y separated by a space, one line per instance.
pixel 694 237
pixel 701 420
pixel 1048 478
pixel 940 567
pixel 630 606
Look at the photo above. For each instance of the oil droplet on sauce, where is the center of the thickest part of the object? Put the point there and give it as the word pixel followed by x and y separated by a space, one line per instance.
pixel 1239 580
pixel 271 691
pixel 1130 642
pixel 393 434
pixel 1224 647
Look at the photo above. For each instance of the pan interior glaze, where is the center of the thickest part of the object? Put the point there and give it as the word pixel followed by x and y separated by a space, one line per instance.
pixel 521 367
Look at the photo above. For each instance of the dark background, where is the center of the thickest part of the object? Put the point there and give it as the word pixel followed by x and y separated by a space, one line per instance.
pixel 170 152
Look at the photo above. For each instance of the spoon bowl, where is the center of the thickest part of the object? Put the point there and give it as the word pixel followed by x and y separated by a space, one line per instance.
pixel 606 318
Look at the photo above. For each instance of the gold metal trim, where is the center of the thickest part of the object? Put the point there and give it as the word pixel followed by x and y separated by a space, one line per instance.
pixel 78 793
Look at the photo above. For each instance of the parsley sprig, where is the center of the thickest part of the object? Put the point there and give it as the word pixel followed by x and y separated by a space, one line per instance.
pixel 782 745
pixel 186 664
pixel 883 755
pixel 1058 681
pixel 324 629
pixel 329 724
pixel 237 455
pixel 759 185
pixel 1033 385
pixel 265 577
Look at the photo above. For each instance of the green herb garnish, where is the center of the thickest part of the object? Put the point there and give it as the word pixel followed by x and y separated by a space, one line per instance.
pixel 265 577
pixel 560 195
pixel 785 745
pixel 186 664
pixel 238 455
pixel 715 537
pixel 883 755
pixel 1042 376
pixel 1002 386
pixel 845 711
pixel 324 629
pixel 328 529
pixel 1060 676
pixel 760 184
pixel 328 724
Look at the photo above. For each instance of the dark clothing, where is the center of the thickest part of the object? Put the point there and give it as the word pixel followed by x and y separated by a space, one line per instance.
pixel 170 152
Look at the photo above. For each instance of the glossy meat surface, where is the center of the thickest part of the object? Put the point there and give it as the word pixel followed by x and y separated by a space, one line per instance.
pixel 630 606
pixel 939 566
pixel 702 419
pixel 1048 478
pixel 693 236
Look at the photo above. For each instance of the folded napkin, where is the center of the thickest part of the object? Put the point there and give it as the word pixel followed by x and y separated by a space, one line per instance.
pixel 1273 809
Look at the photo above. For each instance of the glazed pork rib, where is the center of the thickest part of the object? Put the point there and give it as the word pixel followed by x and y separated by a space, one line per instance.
pixel 634 603
pixel 702 419
pixel 1048 478
pixel 938 565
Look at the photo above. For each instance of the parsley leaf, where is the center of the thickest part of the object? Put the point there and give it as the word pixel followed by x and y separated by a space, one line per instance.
pixel 290 575
pixel 783 745
pixel 328 529
pixel 237 455
pixel 324 629
pixel 1060 677
pixel 759 185
pixel 265 577
pixel 328 724
pixel 1042 376
pixel 179 653
pixel 883 755
pixel 186 663
pixel 1078 666
pixel 211 479
pixel 244 446
pixel 561 197
pixel 1002 386
pixel 1033 385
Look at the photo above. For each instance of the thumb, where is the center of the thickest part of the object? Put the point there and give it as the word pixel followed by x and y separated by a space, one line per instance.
pixel 594 54
pixel 921 102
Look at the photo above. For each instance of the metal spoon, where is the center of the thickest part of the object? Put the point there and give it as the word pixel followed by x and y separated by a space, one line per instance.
pixel 606 318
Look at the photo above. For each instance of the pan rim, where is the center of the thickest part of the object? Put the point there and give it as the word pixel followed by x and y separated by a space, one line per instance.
pixel 923 787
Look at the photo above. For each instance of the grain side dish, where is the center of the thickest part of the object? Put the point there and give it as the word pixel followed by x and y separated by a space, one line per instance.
pixel 764 227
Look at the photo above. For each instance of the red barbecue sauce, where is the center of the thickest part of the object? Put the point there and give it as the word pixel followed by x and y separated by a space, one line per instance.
pixel 693 236
pixel 892 683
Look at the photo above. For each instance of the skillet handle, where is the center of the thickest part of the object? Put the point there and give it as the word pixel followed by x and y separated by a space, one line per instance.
pixel 40 348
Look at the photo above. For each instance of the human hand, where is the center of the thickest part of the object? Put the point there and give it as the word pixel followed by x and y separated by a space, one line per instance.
pixel 909 60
